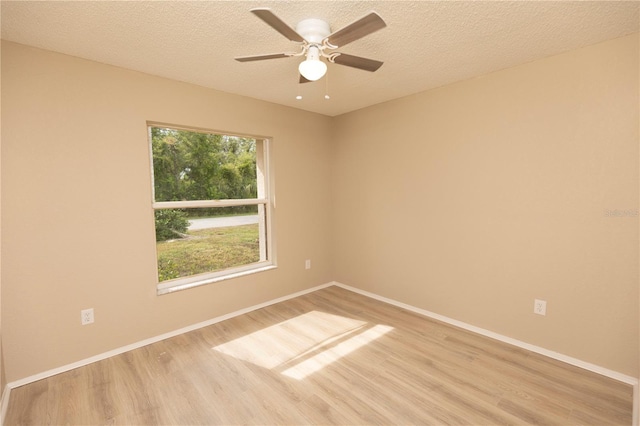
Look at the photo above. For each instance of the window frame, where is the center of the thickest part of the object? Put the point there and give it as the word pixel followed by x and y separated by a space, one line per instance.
pixel 264 201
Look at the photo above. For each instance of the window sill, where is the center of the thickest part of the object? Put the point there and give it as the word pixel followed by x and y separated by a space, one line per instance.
pixel 190 282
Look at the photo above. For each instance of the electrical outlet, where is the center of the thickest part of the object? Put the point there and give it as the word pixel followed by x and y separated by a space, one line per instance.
pixel 86 316
pixel 307 264
pixel 540 307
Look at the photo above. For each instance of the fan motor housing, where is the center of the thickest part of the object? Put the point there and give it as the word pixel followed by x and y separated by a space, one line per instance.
pixel 313 30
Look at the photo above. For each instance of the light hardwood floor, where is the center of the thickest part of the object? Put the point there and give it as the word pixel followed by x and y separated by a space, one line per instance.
pixel 329 357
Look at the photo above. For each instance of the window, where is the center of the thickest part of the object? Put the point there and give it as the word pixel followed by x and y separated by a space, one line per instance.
pixel 211 205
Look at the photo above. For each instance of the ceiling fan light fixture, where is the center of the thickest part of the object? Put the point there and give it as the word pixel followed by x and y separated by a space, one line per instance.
pixel 313 68
pixel 315 38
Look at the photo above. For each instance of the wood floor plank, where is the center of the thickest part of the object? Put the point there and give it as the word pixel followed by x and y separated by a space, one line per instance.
pixel 332 357
pixel 29 404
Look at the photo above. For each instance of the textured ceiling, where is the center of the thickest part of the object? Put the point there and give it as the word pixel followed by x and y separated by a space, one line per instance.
pixel 425 45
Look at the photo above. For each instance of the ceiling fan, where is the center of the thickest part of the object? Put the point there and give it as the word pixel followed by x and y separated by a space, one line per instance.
pixel 319 42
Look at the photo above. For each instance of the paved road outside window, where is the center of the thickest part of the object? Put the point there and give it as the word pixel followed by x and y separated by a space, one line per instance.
pixel 221 222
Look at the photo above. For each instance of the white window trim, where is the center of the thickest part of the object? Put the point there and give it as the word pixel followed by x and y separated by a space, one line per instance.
pixel 178 284
pixel 208 203
pixel 265 203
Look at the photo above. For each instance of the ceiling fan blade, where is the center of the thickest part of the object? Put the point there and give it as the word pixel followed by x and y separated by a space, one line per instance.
pixel 357 62
pixel 277 24
pixel 364 26
pixel 303 79
pixel 261 57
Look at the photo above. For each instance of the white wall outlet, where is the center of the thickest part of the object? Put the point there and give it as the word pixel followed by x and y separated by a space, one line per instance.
pixel 540 307
pixel 307 264
pixel 86 316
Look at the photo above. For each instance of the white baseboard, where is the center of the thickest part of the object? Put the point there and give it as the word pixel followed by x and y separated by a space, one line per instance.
pixel 551 354
pixel 159 338
pixel 537 349
pixel 4 403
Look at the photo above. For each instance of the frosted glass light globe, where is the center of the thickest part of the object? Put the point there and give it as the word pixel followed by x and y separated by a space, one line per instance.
pixel 312 69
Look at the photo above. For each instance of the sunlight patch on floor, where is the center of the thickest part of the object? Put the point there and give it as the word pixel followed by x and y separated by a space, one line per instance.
pixel 332 354
pixel 305 344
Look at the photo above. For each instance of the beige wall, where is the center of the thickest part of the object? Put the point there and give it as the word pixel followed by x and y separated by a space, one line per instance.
pixel 470 201
pixel 3 379
pixel 473 199
pixel 77 219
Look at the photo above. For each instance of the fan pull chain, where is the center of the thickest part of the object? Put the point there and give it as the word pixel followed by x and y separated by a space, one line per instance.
pixel 298 95
pixel 326 86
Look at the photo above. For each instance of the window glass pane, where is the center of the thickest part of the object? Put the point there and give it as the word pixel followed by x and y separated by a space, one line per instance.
pixel 201 240
pixel 192 171
pixel 190 165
